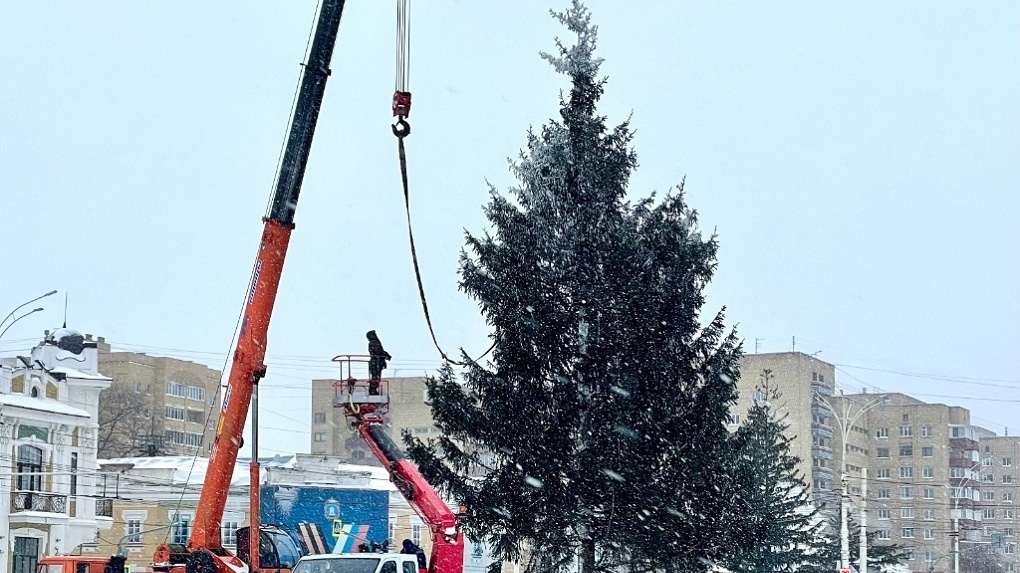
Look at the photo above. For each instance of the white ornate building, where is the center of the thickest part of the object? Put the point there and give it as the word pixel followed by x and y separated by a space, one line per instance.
pixel 50 501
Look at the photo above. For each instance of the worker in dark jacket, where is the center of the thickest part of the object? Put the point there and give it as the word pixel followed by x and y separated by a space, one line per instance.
pixel 377 358
pixel 409 548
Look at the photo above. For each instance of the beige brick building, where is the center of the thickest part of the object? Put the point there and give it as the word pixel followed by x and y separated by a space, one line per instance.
pixel 800 378
pixel 156 405
pixel 1000 486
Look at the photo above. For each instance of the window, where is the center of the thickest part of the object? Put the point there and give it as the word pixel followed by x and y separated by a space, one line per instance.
pixel 928 515
pixel 906 450
pixel 416 533
pixel 320 437
pixel 884 534
pixel 927 452
pixel 1007 478
pixel 181 530
pixel 929 493
pixel 926 431
pixel 174 413
pixel 1007 496
pixel 929 534
pixel 228 533
pixel 175 389
pixel 907 513
pixel 928 473
pixel 29 468
pixel 196 393
pixel 1007 462
pixel 1008 513
pixel 193 440
pixel 988 495
pixel 882 452
pixel 882 433
pixel 906 471
pixel 1008 531
pixel 988 513
pixel 906 432
pixel 133 531
pixel 74 473
pixel 1010 548
pixel 196 416
pixel 957 472
pixel 174 436
pixel 907 532
pixel 883 493
pixel 320 417
pixel 883 514
pixel 882 473
pixel 906 492
pixel 987 478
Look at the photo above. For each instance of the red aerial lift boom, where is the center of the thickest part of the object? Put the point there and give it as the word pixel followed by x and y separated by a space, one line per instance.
pixel 365 411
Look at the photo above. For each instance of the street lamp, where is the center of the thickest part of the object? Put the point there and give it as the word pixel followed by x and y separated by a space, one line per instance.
pixel 4 331
pixel 846 419
pixel 17 308
pixel 955 533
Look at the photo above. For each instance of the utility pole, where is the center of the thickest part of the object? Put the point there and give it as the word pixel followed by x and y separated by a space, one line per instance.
pixel 844 531
pixel 956 544
pixel 863 567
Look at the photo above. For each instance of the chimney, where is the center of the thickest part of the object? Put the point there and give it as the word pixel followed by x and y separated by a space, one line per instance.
pixel 88 337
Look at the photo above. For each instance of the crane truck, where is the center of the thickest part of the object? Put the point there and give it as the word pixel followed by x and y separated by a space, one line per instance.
pixel 276 551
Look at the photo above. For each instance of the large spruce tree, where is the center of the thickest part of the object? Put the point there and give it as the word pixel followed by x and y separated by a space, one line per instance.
pixel 779 515
pixel 595 430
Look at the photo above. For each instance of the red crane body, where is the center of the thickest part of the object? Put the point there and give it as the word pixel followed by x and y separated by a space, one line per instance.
pixel 204 552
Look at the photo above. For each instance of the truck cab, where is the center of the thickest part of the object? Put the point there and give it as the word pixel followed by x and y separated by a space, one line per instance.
pixel 358 563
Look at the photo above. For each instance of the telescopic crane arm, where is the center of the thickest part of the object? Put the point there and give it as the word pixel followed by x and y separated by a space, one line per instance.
pixel 248 366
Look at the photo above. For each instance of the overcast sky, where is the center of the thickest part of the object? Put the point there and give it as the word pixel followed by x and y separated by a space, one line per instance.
pixel 858 161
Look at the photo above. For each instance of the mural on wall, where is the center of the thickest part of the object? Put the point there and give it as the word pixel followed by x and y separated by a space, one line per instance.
pixel 346 518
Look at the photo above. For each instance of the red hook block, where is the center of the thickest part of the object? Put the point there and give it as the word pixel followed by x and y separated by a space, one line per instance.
pixel 401 104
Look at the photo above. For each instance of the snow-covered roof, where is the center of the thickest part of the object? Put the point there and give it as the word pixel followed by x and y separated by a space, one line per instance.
pixel 187 470
pixel 41 405
pixel 78 374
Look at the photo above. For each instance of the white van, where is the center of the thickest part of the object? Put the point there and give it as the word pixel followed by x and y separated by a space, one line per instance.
pixel 357 563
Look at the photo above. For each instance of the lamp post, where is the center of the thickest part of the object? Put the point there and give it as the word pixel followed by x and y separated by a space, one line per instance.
pixel 955 531
pixel 845 418
pixel 4 331
pixel 17 308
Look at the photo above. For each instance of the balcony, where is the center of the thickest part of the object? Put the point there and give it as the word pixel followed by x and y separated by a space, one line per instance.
pixel 104 508
pixel 38 501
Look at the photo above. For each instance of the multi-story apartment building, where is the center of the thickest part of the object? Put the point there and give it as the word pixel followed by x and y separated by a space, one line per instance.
pixel 922 463
pixel 49 501
pixel 156 405
pixel 1000 488
pixel 408 410
pixel 802 380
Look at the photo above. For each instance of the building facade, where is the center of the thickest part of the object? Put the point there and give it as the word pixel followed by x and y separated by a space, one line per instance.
pixel 801 379
pixel 156 405
pixel 50 499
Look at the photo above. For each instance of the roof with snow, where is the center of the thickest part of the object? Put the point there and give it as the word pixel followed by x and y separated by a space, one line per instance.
pixel 41 405
pixel 78 374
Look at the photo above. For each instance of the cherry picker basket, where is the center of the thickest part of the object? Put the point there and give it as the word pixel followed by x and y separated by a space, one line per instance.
pixel 362 399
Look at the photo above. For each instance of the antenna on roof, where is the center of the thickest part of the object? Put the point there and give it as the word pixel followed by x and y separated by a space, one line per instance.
pixel 65 309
